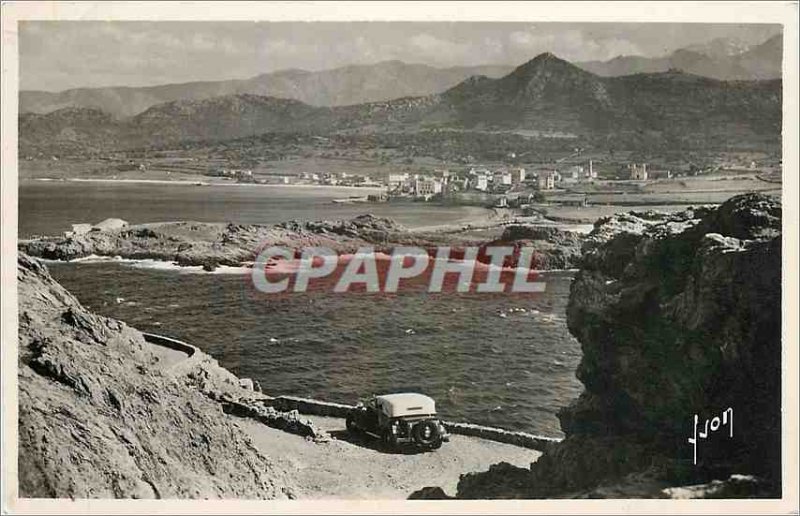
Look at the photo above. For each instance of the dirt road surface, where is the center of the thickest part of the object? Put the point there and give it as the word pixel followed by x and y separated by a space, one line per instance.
pixel 349 467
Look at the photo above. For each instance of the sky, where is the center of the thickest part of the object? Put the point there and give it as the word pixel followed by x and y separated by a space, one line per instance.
pixel 58 55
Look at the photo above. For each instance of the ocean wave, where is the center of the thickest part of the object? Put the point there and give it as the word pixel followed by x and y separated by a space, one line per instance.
pixel 186 269
pixel 92 258
pixel 152 264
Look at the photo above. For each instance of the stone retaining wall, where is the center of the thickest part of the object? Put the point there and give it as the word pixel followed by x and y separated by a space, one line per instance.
pixel 522 439
pixel 170 343
pixel 288 421
pixel 285 404
pixel 326 408
pixel 309 406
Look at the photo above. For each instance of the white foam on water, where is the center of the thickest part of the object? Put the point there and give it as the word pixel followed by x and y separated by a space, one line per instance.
pixel 186 269
pixel 280 266
pixel 161 265
pixel 228 269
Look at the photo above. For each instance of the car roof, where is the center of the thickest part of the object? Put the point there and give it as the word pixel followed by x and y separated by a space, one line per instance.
pixel 406 404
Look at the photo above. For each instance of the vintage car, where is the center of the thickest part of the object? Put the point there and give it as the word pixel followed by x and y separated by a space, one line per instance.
pixel 399 419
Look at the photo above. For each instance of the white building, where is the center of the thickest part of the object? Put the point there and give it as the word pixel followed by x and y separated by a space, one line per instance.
pixel 591 173
pixel 518 176
pixel 546 180
pixel 502 177
pixel 480 171
pixel 329 179
pixel 427 186
pixel 638 172
pixel 395 180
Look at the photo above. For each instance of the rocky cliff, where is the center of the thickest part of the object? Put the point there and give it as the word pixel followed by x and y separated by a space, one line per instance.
pixel 105 414
pixel 677 315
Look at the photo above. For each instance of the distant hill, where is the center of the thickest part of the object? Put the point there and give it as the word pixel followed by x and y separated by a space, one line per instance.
pixel 70 129
pixel 721 47
pixel 765 60
pixel 546 95
pixel 355 84
pixel 719 59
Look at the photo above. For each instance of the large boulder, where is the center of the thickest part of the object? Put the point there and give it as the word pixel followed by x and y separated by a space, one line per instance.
pixel 110 224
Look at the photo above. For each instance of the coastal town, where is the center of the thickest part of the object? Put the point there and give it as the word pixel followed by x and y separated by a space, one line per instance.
pixel 578 185
pixel 498 179
pixel 575 182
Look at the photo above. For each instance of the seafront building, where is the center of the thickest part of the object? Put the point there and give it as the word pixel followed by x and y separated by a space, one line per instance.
pixel 396 180
pixel 638 172
pixel 591 173
pixel 427 187
pixel 481 183
pixel 546 180
pixel 502 178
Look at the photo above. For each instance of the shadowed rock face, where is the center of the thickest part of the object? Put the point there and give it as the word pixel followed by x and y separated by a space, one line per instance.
pixel 102 416
pixel 677 315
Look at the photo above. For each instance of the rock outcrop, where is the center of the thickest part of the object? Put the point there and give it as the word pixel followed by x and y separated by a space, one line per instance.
pixel 554 248
pixel 186 243
pixel 102 415
pixel 366 227
pixel 677 315
pixel 211 245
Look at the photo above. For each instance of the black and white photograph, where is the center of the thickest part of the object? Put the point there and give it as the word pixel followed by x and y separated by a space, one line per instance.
pixel 410 261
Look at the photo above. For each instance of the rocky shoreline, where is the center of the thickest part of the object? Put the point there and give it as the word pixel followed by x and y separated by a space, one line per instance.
pixel 211 245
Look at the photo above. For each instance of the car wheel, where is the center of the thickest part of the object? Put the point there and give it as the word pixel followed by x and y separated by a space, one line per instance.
pixel 426 433
pixel 351 424
pixel 388 439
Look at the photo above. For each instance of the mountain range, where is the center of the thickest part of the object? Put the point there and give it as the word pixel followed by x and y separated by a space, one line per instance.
pixel 355 84
pixel 722 58
pixel 719 59
pixel 545 96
